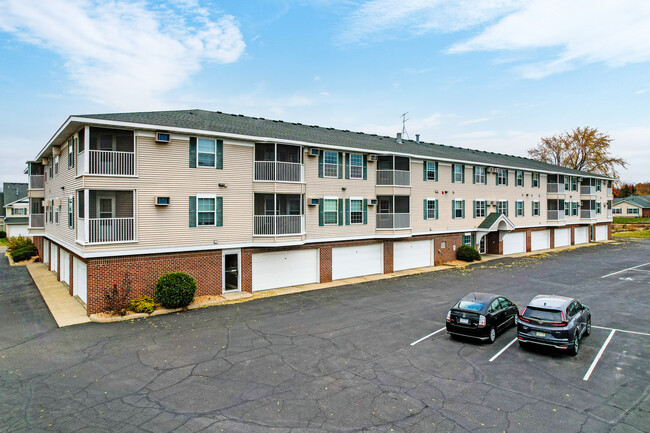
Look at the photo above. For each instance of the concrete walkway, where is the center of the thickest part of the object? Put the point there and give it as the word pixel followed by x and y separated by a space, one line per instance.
pixel 66 309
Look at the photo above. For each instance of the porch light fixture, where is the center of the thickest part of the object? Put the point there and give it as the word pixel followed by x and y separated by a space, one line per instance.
pixel 343 188
pixel 222 185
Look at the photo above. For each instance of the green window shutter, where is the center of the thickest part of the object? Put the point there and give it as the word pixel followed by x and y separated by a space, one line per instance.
pixel 463 169
pixel 340 211
pixel 365 211
pixel 192 153
pixel 347 165
pixel 365 169
pixel 523 210
pixel 485 177
pixel 340 165
pixel 474 208
pixel 71 203
pixel 474 175
pixel 436 208
pixel 506 208
pixel 219 154
pixel 453 166
pixel 320 211
pixel 462 204
pixel 474 240
pixel 425 165
pixel 347 211
pixel 320 164
pixel 425 207
pixel 219 205
pixel 436 173
pixel 523 178
pixel 453 209
pixel 192 211
pixel 506 177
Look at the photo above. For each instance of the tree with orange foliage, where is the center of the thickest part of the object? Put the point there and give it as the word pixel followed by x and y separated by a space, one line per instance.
pixel 585 149
pixel 642 188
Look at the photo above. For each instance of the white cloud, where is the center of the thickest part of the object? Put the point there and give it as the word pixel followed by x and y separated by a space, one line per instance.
pixel 473 121
pixel 121 54
pixel 642 91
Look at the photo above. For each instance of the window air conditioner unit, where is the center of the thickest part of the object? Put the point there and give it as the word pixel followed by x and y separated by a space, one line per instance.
pixel 313 151
pixel 491 170
pixel 580 179
pixel 162 201
pixel 372 202
pixel 492 203
pixel 313 202
pixel 373 157
pixel 163 137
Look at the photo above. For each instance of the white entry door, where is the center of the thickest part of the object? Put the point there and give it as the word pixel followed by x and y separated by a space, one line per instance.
pixel 409 255
pixel 65 267
pixel 540 240
pixel 514 243
pixel 285 268
pixel 55 258
pixel 80 279
pixel 581 235
pixel 350 262
pixel 562 237
pixel 46 251
pixel 601 233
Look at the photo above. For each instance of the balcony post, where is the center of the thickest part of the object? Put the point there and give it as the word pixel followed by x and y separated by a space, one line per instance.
pixel 86 151
pixel 86 213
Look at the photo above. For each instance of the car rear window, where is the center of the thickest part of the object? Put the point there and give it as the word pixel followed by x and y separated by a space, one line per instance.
pixel 541 314
pixel 470 305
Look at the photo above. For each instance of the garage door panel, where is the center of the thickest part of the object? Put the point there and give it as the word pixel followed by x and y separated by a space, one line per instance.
pixel 514 243
pixel 46 251
pixel 601 233
pixel 285 268
pixel 562 237
pixel 55 258
pixel 65 267
pixel 350 262
pixel 540 240
pixel 410 255
pixel 581 235
pixel 80 287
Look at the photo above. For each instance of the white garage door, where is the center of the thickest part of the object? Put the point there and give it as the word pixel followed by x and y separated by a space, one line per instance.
pixel 80 279
pixel 601 233
pixel 65 267
pixel 409 255
pixel 581 235
pixel 55 258
pixel 16 230
pixel 357 261
pixel 540 240
pixel 514 243
pixel 285 268
pixel 46 251
pixel 562 237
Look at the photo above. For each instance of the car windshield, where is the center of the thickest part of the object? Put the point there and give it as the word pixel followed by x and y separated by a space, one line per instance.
pixel 545 315
pixel 470 305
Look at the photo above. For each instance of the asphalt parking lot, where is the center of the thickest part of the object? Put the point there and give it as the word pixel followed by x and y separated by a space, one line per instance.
pixel 342 359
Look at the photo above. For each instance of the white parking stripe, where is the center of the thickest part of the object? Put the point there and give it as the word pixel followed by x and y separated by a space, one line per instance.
pixel 600 353
pixel 623 270
pixel 502 350
pixel 427 336
pixel 622 330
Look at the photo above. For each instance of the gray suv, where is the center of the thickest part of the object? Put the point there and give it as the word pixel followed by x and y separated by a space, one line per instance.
pixel 554 321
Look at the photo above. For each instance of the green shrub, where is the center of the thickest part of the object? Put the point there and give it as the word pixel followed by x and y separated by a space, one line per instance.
pixel 17 242
pixel 24 253
pixel 175 290
pixel 467 253
pixel 116 300
pixel 143 304
pixel 3 234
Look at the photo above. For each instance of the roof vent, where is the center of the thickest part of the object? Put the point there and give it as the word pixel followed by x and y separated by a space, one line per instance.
pixel 399 137
pixel 417 138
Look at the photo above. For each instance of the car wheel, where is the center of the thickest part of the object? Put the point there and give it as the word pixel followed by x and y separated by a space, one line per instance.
pixel 588 329
pixel 493 335
pixel 576 346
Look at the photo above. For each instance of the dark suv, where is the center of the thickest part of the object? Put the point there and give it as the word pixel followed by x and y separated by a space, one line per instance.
pixel 554 321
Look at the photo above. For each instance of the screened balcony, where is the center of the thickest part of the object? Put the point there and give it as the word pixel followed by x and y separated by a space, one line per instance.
pixel 278 163
pixel 588 187
pixel 555 184
pixel 105 216
pixel 278 215
pixel 36 175
pixel 393 212
pixel 588 209
pixel 108 152
pixel 36 213
pixel 555 210
pixel 393 171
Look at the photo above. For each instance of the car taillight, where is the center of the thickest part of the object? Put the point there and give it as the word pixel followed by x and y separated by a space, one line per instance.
pixel 481 321
pixel 560 324
pixel 523 319
pixel 449 316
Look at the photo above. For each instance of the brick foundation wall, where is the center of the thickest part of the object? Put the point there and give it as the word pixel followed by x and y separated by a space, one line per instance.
pixel 448 253
pixel 246 270
pixel 573 236
pixel 38 243
pixel 528 241
pixel 388 257
pixel 325 263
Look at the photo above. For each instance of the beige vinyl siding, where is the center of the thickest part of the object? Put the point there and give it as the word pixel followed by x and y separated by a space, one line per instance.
pixel 625 206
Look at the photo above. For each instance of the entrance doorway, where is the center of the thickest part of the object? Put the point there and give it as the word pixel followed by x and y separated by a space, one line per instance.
pixel 231 278
pixel 481 245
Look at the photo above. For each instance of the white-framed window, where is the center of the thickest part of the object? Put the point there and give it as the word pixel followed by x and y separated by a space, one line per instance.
pixel 632 211
pixel 567 183
pixel 480 208
pixel 536 211
pixel 502 176
pixel 330 211
pixel 598 207
pixel 479 174
pixel 206 209
pixel 617 210
pixel 71 152
pixel 567 208
pixel 431 209
pixel 467 239
pixel 206 155
pixel 574 208
pixel 502 207
pixel 458 208
pixel 57 210
pixel 356 166
pixel 574 184
pixel 356 210
pixel 519 178
pixel 458 172
pixel 56 164
pixel 331 164
pixel 519 204
pixel 71 211
pixel 599 185
pixel 431 170
pixel 535 180
pixel 18 211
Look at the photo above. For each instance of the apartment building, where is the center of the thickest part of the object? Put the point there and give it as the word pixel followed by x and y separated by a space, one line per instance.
pixel 244 203
pixel 14 209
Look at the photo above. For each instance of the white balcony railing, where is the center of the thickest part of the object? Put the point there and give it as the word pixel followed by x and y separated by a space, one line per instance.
pixel 394 177
pixel 110 163
pixel 278 225
pixel 36 181
pixel 609 192
pixel 107 230
pixel 393 220
pixel 555 215
pixel 279 171
pixel 37 221
pixel 587 214
pixel 555 188
pixel 587 190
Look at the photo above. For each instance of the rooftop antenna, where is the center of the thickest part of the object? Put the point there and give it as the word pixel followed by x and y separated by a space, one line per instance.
pixel 405 134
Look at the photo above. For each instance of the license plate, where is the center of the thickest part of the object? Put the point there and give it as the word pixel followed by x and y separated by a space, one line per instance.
pixel 463 321
pixel 540 334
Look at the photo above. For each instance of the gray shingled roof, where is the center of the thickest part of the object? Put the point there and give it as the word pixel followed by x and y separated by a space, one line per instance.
pixel 489 220
pixel 13 192
pixel 238 124
pixel 639 200
pixel 16 220
pixel 2 203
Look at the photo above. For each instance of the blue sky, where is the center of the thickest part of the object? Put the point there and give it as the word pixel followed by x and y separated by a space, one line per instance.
pixel 494 75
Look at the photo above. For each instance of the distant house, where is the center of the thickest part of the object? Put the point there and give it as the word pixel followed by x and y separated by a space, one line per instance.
pixel 2 214
pixel 15 208
pixel 634 206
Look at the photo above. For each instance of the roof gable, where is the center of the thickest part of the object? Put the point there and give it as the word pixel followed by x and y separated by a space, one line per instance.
pixel 13 191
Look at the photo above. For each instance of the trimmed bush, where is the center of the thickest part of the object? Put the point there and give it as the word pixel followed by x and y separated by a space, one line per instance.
pixel 467 253
pixel 175 290
pixel 3 234
pixel 17 242
pixel 25 252
pixel 143 304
